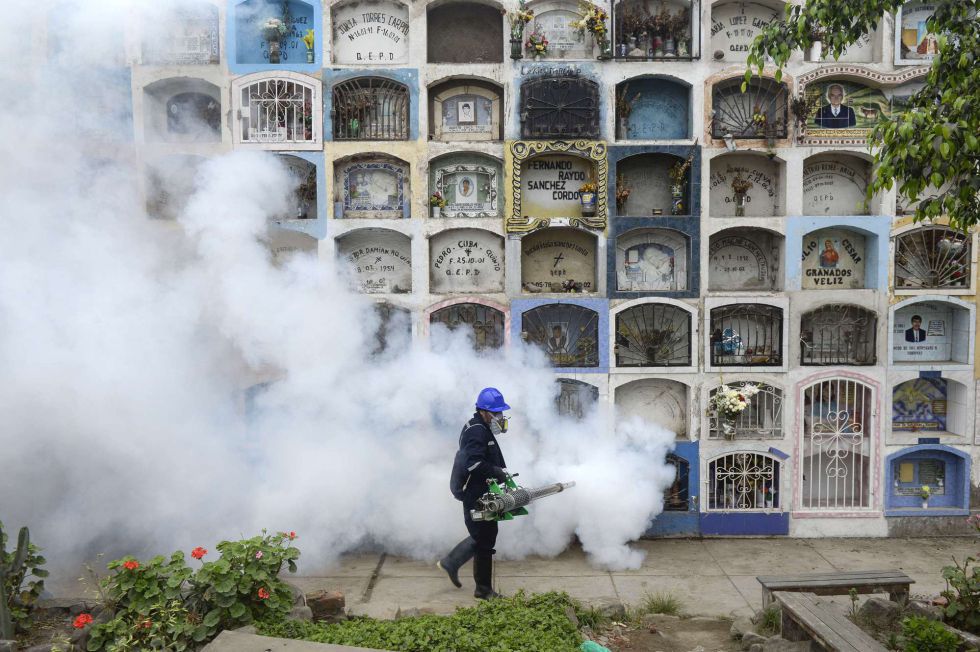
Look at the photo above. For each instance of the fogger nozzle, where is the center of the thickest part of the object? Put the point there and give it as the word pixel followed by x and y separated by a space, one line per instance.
pixel 490 506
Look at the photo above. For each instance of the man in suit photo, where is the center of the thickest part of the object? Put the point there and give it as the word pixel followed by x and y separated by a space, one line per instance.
pixel 836 114
pixel 915 334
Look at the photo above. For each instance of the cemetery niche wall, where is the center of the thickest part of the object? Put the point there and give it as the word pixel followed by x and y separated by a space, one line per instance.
pixel 914 43
pixel 559 104
pixel 371 186
pixel 932 331
pixel 944 469
pixel 465 32
pixel 657 400
pixel 834 259
pixel 470 183
pixel 370 108
pixel 760 112
pixel 734 25
pixel 466 261
pixel 181 35
pixel 746 335
pixel 647 179
pixel 558 260
pixel 485 325
pixel 835 184
pixel 182 110
pixel 467 109
pixel 656 29
pixel 652 108
pixel 566 332
pixel 547 177
pixel 378 261
pixel 744 260
pixel 575 398
pixel 303 177
pixel 271 32
pixel 280 111
pixel 370 32
pixel 746 185
pixel 838 334
pixel 653 335
pixel 652 260
pixel 933 257
pixel 553 19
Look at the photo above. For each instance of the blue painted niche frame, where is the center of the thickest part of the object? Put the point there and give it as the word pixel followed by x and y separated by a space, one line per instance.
pixel 690 229
pixel 300 64
pixel 877 227
pixel 682 523
pixel 617 153
pixel 407 76
pixel 956 502
pixel 316 228
pixel 601 306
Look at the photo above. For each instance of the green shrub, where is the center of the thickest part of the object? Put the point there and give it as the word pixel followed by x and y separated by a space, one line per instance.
pixel 772 620
pixel 164 604
pixel 962 595
pixel 536 623
pixel 18 594
pixel 924 635
pixel 661 603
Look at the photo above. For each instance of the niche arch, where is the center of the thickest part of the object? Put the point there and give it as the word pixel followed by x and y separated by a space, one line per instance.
pixel 480 25
pixel 653 107
pixel 465 109
pixel 182 110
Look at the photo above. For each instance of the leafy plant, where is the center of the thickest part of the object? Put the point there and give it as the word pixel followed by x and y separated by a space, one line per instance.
pixel 661 603
pixel 962 595
pixel 853 594
pixel 536 623
pixel 591 617
pixel 16 598
pixel 771 621
pixel 924 635
pixel 164 604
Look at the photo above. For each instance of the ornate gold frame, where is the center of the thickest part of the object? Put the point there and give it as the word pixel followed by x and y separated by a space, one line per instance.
pixel 518 151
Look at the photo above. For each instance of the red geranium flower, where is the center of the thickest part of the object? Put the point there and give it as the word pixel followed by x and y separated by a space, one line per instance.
pixel 198 552
pixel 81 621
pixel 132 564
pixel 292 535
pixel 263 594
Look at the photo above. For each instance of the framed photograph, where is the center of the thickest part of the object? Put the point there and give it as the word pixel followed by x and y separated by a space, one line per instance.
pixel 465 112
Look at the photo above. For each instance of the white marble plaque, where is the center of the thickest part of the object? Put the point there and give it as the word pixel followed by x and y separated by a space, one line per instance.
pixel 734 25
pixel 835 187
pixel 923 332
pixel 740 261
pixel 285 243
pixel 651 260
pixel 762 199
pixel 379 261
pixel 564 41
pixel 551 185
pixel 466 260
pixel 370 32
pixel 558 260
pixel 659 401
pixel 833 259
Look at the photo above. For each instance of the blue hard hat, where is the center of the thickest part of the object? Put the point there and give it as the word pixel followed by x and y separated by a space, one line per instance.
pixel 491 400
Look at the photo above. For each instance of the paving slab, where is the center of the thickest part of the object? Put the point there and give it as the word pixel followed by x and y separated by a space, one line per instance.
pixel 401 567
pixel 229 641
pixel 571 562
pixel 393 593
pixel 675 556
pixel 766 556
pixel 356 565
pixel 701 595
pixel 584 588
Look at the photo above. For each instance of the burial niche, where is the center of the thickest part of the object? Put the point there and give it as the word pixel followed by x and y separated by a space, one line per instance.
pixel 470 184
pixel 838 334
pixel 744 259
pixel 568 333
pixel 653 335
pixel 929 405
pixel 558 260
pixel 550 185
pixel 272 32
pixel 370 108
pixel 378 260
pixel 169 183
pixel 483 324
pixel 277 110
pixel 931 331
pixel 743 185
pixel 394 330
pixel 182 110
pixel 835 184
pixel 734 25
pixel 647 178
pixel 370 31
pixel 465 110
pixel 371 187
pixel 465 32
pixel 575 398
pixel 833 259
pixel 759 112
pixel 652 260
pixel 932 257
pixel 554 20
pixel 762 419
pixel 652 109
pixel 657 400
pixel 559 107
pixel 915 44
pixel 185 33
pixel 285 243
pixel 657 29
pixel 466 260
pixel 746 335
pixel 302 202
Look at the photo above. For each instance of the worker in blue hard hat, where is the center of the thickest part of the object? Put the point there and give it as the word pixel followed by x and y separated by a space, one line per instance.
pixel 478 459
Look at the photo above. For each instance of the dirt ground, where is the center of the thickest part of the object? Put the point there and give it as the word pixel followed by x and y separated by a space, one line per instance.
pixel 674 634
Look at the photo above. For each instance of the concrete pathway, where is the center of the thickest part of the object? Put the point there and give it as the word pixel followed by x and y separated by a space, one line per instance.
pixel 712 577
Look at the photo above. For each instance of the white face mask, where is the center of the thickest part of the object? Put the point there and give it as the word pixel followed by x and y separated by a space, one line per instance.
pixel 498 424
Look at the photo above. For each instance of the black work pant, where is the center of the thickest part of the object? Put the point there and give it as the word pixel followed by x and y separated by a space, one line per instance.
pixel 483 532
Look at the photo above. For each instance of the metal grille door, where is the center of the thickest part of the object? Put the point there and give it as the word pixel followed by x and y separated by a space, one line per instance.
pixel 932 257
pixel 743 482
pixel 277 111
pixel 370 108
pixel 759 112
pixel 838 334
pixel 557 107
pixel 653 335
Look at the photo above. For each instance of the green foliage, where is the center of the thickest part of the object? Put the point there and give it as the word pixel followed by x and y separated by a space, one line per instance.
pixel 534 623
pixel 591 617
pixel 771 621
pixel 931 148
pixel 853 594
pixel 962 595
pixel 17 598
pixel 661 603
pixel 924 635
pixel 164 604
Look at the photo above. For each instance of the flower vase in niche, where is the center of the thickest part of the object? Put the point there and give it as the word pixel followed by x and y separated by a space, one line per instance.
pixel 516 49
pixel 924 492
pixel 728 426
pixel 588 198
pixel 436 203
pixel 273 31
pixel 669 48
pixel 354 127
pixel 658 46
pixel 677 200
pixel 683 49
pixel 741 187
pixel 308 41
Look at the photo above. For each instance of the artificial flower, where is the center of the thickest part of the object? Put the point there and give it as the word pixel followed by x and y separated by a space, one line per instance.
pixel 82 620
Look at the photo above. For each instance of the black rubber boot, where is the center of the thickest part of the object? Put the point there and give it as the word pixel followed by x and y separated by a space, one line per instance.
pixel 483 574
pixel 458 556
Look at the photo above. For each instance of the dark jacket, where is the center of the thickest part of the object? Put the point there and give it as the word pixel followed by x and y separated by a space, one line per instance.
pixel 478 458
pixel 825 117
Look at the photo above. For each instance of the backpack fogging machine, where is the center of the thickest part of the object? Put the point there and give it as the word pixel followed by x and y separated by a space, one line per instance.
pixel 505 500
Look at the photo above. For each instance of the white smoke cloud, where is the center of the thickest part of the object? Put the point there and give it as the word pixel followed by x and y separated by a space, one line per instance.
pixel 126 344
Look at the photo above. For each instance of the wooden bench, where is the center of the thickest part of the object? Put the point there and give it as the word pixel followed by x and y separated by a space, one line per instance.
pixel 894 583
pixel 805 618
